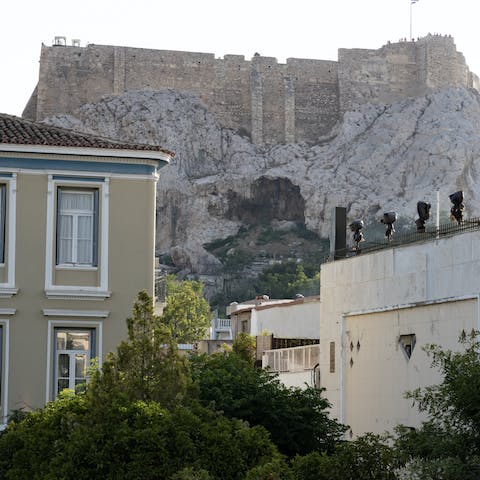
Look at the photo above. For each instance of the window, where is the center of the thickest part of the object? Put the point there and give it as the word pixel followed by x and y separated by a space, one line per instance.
pixel 74 348
pixel 77 227
pixel 407 343
pixel 3 211
pixel 1 363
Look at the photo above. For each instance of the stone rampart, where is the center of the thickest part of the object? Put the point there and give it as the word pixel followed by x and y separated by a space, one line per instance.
pixel 272 103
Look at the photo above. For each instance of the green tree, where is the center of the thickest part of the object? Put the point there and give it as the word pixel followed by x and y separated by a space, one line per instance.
pixel 147 366
pixel 187 313
pixel 296 419
pixel 137 440
pixel 284 280
pixel 447 446
pixel 278 469
pixel 245 347
pixel 369 457
pixel 133 422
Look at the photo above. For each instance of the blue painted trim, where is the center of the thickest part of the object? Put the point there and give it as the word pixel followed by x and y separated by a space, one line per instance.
pixel 78 166
pixel 78 179
pixel 6 175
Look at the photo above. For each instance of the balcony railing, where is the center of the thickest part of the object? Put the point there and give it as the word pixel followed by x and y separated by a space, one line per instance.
pixel 296 359
pixel 223 324
pixel 431 233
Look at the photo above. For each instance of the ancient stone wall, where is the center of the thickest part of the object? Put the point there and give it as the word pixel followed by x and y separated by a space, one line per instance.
pixel 272 103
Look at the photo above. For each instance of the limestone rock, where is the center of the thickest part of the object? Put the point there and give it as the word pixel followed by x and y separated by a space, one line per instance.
pixel 382 158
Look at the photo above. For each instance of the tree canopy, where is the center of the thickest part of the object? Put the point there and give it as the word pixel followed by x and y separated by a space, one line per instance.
pixel 187 313
pixel 297 419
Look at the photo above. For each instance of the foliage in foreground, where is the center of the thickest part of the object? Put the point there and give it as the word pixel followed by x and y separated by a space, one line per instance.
pixel 297 419
pixel 140 440
pixel 152 414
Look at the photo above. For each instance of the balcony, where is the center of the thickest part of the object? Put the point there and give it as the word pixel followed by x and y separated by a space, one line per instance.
pixel 291 360
pixel 221 329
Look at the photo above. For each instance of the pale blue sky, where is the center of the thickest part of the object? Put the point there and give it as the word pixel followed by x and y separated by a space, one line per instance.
pixel 277 28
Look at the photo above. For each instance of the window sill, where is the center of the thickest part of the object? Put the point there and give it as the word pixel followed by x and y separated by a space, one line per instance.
pixel 67 266
pixel 77 294
pixel 8 292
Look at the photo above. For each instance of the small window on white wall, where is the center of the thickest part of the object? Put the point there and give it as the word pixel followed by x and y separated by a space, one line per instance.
pixel 74 349
pixel 77 227
pixel 407 343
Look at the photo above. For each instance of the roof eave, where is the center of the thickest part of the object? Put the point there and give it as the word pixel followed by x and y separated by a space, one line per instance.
pixel 162 157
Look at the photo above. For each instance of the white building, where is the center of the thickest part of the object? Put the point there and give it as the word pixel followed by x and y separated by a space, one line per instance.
pixel 378 309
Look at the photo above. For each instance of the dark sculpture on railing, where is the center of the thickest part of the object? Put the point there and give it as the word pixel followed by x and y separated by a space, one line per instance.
pixel 389 219
pixel 458 206
pixel 356 228
pixel 423 209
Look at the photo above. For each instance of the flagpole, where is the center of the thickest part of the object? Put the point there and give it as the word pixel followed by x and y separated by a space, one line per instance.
pixel 410 38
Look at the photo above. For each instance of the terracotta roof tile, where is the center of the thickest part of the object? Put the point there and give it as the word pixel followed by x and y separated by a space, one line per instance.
pixel 25 132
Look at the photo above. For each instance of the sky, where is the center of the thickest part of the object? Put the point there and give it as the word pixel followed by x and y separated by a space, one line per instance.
pixel 274 28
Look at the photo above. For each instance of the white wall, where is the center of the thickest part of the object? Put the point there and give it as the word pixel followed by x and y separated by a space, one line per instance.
pixel 297 379
pixel 295 320
pixel 429 289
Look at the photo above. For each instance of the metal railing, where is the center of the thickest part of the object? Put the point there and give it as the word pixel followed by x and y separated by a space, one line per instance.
pixel 431 233
pixel 296 359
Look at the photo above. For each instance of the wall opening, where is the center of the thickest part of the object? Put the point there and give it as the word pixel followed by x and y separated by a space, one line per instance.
pixel 407 343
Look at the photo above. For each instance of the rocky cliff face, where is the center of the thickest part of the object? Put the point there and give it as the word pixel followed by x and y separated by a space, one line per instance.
pixel 381 158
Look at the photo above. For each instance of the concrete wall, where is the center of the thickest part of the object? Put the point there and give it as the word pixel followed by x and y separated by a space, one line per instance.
pixel 368 301
pixel 299 101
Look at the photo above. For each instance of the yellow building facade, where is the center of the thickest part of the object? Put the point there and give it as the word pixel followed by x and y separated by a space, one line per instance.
pixel 77 239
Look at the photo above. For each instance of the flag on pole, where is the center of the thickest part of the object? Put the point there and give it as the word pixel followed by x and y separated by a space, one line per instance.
pixel 413 1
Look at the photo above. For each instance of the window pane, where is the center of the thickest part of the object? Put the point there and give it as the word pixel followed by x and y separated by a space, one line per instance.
pixel 77 201
pixel 85 224
pixel 80 366
pixel 63 365
pixel 78 340
pixel 84 252
pixel 65 226
pixel 61 340
pixel 66 251
pixel 62 384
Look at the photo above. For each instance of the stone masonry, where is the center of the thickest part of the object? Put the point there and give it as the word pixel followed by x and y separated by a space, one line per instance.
pixel 268 102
